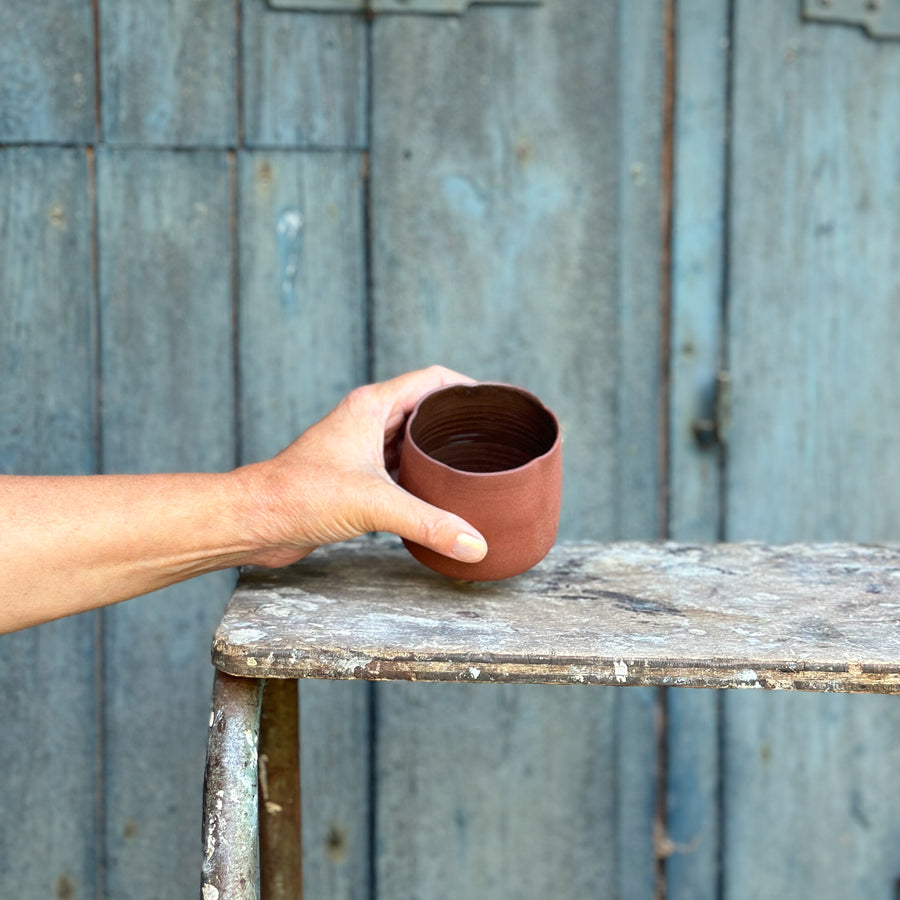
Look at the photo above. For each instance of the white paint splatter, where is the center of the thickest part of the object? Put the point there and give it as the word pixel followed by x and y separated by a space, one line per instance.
pixel 348 667
pixel 474 672
pixel 210 892
pixel 288 229
pixel 620 670
pixel 245 635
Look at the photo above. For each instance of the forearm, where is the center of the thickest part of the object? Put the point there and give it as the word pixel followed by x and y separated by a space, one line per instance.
pixel 80 542
pixel 69 544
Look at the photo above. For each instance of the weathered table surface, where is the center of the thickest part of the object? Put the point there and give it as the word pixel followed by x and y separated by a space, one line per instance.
pixel 804 617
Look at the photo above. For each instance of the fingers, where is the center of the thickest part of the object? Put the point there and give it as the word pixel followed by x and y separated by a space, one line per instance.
pixel 405 391
pixel 399 512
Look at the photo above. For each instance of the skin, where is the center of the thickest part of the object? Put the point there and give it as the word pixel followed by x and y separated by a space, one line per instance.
pixel 74 543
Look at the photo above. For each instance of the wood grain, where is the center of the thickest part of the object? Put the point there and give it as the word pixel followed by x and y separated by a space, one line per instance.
pixel 691 839
pixel 813 347
pixel 47 72
pixel 168 73
pixel 505 245
pixel 302 285
pixel 301 346
pixel 304 79
pixel 168 404
pixel 494 166
pixel 792 617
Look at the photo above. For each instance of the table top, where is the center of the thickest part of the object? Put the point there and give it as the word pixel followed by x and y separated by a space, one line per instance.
pixel 802 617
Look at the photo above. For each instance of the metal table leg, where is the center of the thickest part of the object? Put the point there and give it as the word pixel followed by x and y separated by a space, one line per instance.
pixel 281 876
pixel 230 804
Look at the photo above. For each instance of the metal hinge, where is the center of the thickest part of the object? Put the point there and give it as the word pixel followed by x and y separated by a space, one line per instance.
pixel 713 431
pixel 410 7
pixel 880 18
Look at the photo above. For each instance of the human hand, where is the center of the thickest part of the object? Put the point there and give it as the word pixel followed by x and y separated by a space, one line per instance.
pixel 333 482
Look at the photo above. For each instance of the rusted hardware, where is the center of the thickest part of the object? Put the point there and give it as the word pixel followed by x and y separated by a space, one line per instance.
pixel 281 874
pixel 713 431
pixel 230 829
pixel 880 18
pixel 409 7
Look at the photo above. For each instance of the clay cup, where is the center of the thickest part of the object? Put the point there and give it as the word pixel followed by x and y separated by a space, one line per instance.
pixel 492 454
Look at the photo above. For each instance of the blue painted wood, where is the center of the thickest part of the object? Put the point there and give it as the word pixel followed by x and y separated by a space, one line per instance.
pixel 813 351
pixel 640 58
pixel 304 78
pixel 302 339
pixel 49 833
pixel 515 167
pixel 302 284
pixel 490 215
pixel 168 404
pixel 168 73
pixel 496 160
pixel 484 790
pixel 691 842
pixel 46 72
pixel 698 254
pixel 640 236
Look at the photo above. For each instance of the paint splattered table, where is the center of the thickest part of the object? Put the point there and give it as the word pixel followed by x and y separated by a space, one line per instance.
pixel 820 617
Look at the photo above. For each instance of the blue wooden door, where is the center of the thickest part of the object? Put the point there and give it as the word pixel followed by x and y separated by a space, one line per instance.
pixel 217 218
pixel 785 276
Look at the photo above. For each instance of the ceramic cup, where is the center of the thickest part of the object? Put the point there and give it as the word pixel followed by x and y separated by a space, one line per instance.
pixel 492 454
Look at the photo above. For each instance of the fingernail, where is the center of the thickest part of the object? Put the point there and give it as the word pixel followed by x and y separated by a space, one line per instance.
pixel 468 548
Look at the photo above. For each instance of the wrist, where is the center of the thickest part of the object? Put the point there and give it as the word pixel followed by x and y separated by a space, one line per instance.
pixel 258 502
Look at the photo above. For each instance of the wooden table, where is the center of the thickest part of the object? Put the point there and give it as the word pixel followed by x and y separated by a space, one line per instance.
pixel 798 617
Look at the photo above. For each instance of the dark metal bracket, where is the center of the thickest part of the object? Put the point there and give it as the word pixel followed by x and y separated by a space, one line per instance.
pixel 409 7
pixel 880 18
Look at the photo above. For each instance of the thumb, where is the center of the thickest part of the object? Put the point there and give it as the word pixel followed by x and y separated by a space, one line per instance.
pixel 400 513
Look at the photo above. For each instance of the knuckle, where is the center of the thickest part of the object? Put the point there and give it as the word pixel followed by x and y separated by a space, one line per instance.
pixel 360 398
pixel 438 372
pixel 432 533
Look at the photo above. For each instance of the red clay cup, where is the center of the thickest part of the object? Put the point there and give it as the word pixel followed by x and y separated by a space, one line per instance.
pixel 491 453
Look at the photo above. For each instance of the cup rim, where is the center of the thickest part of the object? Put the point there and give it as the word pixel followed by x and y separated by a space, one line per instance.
pixel 479 384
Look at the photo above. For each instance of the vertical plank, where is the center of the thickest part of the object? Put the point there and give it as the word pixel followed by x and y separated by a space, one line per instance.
pixel 698 254
pixel 698 257
pixel 497 150
pixel 495 791
pixel 810 795
pixel 48 699
pixel 46 72
pixel 815 401
pixel 639 233
pixel 302 287
pixel 494 208
pixel 641 55
pixel 168 72
pixel 302 347
pixel 304 78
pixel 813 349
pixel 166 343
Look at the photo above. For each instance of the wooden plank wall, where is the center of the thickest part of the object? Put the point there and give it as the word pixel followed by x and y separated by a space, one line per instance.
pixel 813 241
pixel 217 218
pixel 785 274
pixel 502 230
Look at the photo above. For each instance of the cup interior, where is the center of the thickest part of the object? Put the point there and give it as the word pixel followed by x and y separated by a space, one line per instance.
pixel 483 427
